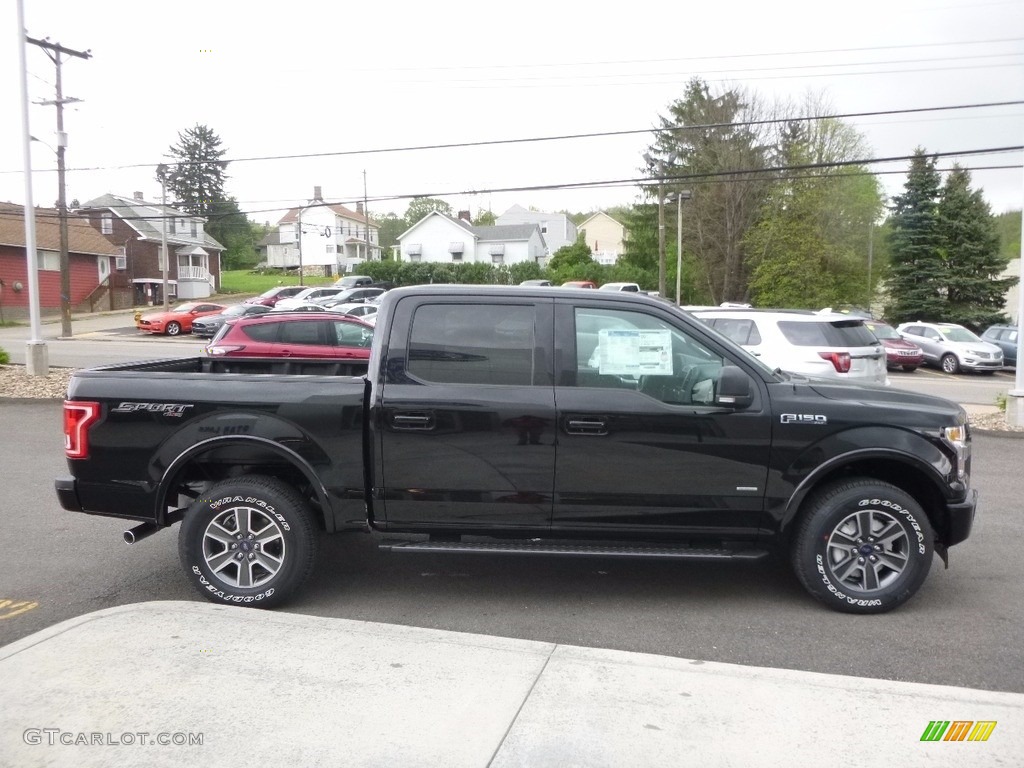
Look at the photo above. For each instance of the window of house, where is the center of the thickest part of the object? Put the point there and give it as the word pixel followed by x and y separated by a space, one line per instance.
pixel 107 224
pixel 473 344
pixel 170 224
pixel 195 228
pixel 331 248
pixel 48 261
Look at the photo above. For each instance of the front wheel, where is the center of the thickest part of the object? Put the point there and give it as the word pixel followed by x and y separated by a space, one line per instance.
pixel 862 546
pixel 173 328
pixel 950 364
pixel 248 541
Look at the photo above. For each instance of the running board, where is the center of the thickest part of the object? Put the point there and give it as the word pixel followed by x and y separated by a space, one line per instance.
pixel 576 550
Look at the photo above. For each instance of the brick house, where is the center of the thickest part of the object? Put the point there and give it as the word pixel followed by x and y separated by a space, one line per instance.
pixel 91 259
pixel 134 226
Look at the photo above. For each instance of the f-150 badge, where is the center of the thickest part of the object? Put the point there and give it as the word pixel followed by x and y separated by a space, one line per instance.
pixel 804 418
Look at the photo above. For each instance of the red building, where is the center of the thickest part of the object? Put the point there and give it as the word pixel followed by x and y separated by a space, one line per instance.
pixel 91 258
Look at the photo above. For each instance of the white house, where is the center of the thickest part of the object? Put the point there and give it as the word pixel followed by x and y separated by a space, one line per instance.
pixel 604 236
pixel 323 237
pixel 557 228
pixel 442 239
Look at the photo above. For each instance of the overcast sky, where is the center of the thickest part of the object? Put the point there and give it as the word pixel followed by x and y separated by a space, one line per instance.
pixel 327 77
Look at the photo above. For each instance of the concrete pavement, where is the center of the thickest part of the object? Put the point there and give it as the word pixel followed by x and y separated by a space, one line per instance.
pixel 297 690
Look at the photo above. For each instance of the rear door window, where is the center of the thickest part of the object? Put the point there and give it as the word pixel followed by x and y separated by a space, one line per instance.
pixel 473 344
pixel 302 332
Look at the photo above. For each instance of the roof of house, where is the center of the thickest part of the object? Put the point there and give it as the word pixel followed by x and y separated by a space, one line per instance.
pixel 82 236
pixel 273 237
pixel 340 210
pixel 500 232
pixel 145 218
pixel 599 213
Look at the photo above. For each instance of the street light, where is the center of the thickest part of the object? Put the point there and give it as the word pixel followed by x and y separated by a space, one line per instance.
pixel 680 195
pixel 161 175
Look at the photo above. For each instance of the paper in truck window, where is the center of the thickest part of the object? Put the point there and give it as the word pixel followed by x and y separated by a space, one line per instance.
pixel 634 352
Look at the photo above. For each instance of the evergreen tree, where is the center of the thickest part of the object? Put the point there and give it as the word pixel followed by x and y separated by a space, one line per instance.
pixel 916 269
pixel 196 178
pixel 974 293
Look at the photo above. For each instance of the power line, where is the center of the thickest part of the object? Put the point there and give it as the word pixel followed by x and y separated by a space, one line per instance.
pixel 570 137
pixel 712 176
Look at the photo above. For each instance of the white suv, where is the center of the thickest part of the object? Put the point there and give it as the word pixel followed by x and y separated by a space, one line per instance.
pixel 952 347
pixel 823 345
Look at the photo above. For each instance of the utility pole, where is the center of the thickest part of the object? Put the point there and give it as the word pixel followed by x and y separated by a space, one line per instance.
pixel 871 255
pixel 161 174
pixel 55 51
pixel 298 236
pixel 36 359
pixel 366 213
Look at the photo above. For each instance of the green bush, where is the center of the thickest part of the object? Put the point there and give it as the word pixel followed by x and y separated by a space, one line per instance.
pixel 4 357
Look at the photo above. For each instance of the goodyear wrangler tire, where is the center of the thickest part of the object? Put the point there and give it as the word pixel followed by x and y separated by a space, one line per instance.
pixel 248 541
pixel 862 546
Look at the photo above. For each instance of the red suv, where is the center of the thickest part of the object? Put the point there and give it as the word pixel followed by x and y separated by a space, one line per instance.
pixel 899 353
pixel 293 334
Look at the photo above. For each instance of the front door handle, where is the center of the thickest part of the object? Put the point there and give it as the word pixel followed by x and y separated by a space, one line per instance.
pixel 412 422
pixel 586 427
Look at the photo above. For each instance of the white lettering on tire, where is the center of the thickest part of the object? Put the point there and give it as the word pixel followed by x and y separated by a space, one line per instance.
pixel 219 593
pixel 841 595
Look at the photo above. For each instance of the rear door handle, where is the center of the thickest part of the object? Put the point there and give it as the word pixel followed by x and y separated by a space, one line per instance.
pixel 586 427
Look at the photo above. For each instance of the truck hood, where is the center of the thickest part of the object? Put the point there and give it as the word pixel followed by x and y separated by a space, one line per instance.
pixel 912 405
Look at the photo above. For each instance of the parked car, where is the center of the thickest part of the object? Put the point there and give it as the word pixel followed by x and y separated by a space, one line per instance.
pixel 544 283
pixel 293 334
pixel 207 327
pixel 354 309
pixel 309 295
pixel 899 353
pixel 1004 337
pixel 952 347
pixel 270 297
pixel 178 319
pixel 306 306
pixel 826 346
pixel 350 295
pixel 353 281
pixel 624 287
pixel 580 284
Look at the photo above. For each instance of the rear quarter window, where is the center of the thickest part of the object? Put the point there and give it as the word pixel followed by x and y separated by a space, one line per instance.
pixel 840 333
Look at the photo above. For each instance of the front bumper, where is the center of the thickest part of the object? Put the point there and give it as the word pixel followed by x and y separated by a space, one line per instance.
pixel 960 517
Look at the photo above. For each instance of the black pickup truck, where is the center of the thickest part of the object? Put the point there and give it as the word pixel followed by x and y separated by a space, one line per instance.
pixel 522 420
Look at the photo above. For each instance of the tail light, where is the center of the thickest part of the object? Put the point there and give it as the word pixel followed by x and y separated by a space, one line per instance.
pixel 840 360
pixel 79 415
pixel 219 350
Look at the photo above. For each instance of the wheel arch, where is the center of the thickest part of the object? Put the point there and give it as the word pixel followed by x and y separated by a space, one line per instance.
pixel 908 473
pixel 192 458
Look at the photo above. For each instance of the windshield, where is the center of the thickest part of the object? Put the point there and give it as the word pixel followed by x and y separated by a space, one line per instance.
pixel 883 331
pixel 188 307
pixel 958 334
pixel 237 309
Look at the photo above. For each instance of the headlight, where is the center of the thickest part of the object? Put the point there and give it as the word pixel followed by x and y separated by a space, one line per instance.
pixel 958 438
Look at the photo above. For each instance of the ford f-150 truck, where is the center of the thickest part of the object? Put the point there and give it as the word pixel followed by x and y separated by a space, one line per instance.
pixel 522 420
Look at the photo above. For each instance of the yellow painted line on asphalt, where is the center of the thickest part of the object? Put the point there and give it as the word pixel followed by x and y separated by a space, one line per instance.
pixel 11 608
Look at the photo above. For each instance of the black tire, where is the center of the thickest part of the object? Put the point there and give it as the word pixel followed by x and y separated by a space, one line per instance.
pixel 173 328
pixel 909 368
pixel 275 565
pixel 949 363
pixel 838 535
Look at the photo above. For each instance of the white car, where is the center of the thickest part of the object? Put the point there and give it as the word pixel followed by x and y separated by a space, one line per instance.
pixel 830 346
pixel 354 309
pixel 952 347
pixel 626 287
pixel 309 296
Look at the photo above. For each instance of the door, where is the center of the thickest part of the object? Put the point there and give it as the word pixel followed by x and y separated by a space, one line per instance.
pixel 465 421
pixel 641 445
pixel 103 268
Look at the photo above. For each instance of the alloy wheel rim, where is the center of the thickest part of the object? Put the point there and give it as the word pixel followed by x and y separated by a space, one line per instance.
pixel 244 547
pixel 868 551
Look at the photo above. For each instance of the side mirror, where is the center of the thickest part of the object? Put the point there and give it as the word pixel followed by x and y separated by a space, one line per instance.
pixel 735 389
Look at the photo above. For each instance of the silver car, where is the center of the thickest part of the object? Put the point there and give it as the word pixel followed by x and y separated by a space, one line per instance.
pixel 952 347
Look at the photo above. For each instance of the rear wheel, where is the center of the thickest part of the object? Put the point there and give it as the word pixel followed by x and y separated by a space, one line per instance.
pixel 173 328
pixel 248 541
pixel 950 364
pixel 862 546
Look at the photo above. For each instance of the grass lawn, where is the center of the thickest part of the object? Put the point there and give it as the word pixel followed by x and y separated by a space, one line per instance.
pixel 244 281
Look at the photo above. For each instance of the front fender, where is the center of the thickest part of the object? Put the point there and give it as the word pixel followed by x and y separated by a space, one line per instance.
pixel 901 456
